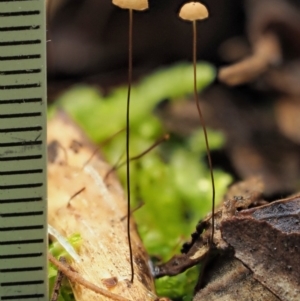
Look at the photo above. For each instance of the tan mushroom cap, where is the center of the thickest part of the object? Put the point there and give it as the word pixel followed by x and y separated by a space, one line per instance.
pixel 132 4
pixel 193 11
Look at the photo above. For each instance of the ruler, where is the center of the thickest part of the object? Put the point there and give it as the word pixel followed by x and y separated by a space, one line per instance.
pixel 23 174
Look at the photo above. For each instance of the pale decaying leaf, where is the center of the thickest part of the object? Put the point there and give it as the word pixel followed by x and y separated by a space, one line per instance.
pixel 96 213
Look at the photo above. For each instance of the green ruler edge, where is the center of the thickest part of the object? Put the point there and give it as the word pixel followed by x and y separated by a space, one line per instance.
pixel 23 174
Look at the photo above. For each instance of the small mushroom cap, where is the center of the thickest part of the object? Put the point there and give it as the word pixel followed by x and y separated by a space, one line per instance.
pixel 132 4
pixel 193 11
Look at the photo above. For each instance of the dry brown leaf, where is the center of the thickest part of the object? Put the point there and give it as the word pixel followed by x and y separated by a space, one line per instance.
pixel 261 259
pixel 95 213
pixel 255 252
pixel 267 240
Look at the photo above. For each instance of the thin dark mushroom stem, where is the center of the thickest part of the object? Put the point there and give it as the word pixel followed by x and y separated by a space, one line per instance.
pixel 128 139
pixel 130 5
pixel 203 124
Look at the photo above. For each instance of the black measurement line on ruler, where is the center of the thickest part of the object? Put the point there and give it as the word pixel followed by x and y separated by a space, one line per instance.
pixel 21 297
pixel 15 256
pixel 24 86
pixel 20 28
pixel 22 283
pixel 20 13
pixel 22 228
pixel 21 115
pixel 13 72
pixel 21 158
pixel 21 143
pixel 21 242
pixel 20 57
pixel 20 172
pixel 21 100
pixel 16 43
pixel 21 200
pixel 21 186
pixel 24 129
pixel 18 214
pixel 12 270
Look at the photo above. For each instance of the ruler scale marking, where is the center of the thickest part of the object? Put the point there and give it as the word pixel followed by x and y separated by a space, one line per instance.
pixel 9 257
pixel 23 176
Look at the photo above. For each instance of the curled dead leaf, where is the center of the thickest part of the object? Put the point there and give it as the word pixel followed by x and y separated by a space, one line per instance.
pixel 255 253
pixel 267 241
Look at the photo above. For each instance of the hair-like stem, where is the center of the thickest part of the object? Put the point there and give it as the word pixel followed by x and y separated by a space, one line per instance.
pixel 203 124
pixel 145 152
pixel 128 139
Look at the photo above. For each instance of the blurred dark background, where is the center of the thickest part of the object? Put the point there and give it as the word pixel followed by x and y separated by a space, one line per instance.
pixel 90 37
pixel 255 103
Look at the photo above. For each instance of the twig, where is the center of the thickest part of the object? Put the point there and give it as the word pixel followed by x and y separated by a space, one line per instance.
pixel 75 195
pixel 58 281
pixel 266 53
pixel 75 277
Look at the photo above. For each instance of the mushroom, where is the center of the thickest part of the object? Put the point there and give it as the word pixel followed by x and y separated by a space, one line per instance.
pixel 194 11
pixel 130 5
